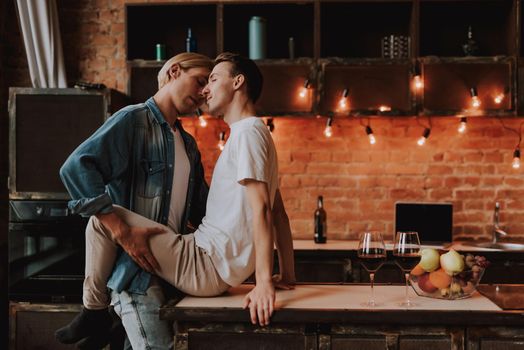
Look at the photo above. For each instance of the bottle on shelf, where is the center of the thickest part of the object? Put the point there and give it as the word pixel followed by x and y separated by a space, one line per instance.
pixel 191 43
pixel 320 221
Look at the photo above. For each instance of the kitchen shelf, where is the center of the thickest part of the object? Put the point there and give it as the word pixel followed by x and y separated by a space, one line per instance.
pixel 338 45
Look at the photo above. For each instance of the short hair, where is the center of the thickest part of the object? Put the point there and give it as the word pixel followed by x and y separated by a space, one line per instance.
pixel 185 60
pixel 246 67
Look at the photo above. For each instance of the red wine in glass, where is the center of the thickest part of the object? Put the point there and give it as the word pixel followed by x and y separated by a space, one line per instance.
pixel 372 254
pixel 406 253
pixel 372 259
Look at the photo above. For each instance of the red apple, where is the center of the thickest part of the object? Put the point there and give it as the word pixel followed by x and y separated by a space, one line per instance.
pixel 425 284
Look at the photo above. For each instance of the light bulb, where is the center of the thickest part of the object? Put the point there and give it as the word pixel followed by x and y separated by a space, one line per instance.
pixel 499 98
pixel 343 103
pixel 221 141
pixel 384 108
pixel 202 121
pixel 304 89
pixel 270 125
pixel 516 159
pixel 422 140
pixel 475 101
pixel 418 82
pixel 328 131
pixel 369 131
pixel 463 125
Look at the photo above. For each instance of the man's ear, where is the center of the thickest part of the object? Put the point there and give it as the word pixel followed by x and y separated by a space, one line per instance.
pixel 174 71
pixel 238 81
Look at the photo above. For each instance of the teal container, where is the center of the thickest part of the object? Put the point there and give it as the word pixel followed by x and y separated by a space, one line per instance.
pixel 257 38
pixel 160 52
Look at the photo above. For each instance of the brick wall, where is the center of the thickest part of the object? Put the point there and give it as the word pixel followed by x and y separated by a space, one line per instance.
pixel 360 182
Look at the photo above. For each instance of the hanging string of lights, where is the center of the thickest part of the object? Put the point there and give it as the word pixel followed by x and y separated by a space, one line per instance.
pixel 516 152
pixel 427 130
pixel 369 131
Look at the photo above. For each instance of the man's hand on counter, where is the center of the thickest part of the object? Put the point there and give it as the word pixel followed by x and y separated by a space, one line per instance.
pixel 261 302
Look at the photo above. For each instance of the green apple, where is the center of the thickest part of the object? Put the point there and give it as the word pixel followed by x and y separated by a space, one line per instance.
pixel 452 262
pixel 429 259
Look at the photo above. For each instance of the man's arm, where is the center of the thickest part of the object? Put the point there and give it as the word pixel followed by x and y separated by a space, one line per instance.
pixel 284 244
pixel 261 299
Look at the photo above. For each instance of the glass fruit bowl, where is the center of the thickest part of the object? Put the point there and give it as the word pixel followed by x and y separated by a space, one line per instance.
pixel 448 284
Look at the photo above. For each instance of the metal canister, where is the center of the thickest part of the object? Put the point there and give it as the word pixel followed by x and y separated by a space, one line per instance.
pixel 160 52
pixel 257 38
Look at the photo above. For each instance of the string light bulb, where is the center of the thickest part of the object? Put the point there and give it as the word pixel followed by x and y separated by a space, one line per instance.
pixel 418 83
pixel 384 108
pixel 222 140
pixel 201 120
pixel 270 125
pixel 369 132
pixel 499 98
pixel 343 103
pixel 475 101
pixel 462 125
pixel 422 140
pixel 328 131
pixel 305 88
pixel 516 158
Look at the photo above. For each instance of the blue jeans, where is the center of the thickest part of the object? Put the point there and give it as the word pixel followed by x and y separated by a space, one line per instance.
pixel 140 317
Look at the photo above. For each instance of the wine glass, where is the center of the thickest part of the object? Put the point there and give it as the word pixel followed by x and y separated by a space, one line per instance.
pixel 372 254
pixel 406 253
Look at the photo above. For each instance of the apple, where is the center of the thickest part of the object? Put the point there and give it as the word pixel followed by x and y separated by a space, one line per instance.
pixel 452 262
pixel 425 284
pixel 429 259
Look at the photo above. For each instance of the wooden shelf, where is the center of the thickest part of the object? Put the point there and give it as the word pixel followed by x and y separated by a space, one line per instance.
pixel 338 45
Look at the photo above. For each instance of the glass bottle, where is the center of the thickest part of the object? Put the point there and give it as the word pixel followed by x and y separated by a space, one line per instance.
pixel 320 221
pixel 191 43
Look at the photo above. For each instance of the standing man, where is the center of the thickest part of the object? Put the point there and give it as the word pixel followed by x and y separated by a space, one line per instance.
pixel 143 160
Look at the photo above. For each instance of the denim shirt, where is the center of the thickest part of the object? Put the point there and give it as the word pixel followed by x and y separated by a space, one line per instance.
pixel 129 161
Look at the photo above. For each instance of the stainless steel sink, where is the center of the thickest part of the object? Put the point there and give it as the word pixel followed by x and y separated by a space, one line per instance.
pixel 499 245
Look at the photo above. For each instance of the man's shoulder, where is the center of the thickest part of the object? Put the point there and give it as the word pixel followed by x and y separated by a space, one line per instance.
pixel 133 113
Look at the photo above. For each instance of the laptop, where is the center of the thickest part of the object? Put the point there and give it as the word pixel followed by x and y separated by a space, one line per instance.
pixel 432 221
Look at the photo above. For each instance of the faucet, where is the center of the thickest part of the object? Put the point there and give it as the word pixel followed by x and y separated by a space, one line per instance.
pixel 497 231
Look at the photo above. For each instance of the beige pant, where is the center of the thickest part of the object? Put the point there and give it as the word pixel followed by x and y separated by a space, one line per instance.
pixel 182 264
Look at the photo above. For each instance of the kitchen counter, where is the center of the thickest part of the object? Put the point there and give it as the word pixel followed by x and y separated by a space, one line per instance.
pixel 331 316
pixel 345 245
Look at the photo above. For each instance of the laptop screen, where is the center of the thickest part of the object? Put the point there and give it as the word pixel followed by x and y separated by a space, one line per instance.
pixel 432 221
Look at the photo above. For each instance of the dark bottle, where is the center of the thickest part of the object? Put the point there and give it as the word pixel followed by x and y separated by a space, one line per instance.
pixel 191 44
pixel 320 222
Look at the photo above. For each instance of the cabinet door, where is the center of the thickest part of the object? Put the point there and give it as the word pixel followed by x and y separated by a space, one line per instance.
pixel 495 338
pixel 373 87
pixel 448 86
pixel 241 336
pixel 390 337
pixel 285 90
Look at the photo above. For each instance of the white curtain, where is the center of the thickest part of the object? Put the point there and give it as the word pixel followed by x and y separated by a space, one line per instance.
pixel 41 33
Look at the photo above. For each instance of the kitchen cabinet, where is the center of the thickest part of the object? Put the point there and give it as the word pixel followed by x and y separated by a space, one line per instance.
pixel 329 317
pixel 372 48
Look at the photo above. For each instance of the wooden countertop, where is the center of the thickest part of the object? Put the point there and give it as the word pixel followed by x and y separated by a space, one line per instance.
pixel 342 303
pixel 341 245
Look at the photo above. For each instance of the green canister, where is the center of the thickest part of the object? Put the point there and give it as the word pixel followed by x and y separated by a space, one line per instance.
pixel 160 52
pixel 257 38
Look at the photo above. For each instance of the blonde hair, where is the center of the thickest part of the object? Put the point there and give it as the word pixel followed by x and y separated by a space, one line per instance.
pixel 185 60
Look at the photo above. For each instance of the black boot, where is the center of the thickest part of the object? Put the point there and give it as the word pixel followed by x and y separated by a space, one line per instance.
pixel 86 323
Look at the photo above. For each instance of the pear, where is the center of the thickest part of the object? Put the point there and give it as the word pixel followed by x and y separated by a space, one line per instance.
pixel 452 262
pixel 429 259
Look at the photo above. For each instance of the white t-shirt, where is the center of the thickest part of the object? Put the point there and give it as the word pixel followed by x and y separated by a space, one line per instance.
pixel 180 182
pixel 226 232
